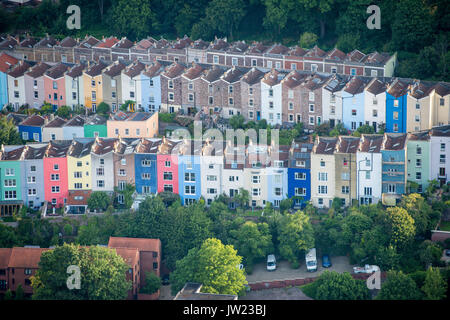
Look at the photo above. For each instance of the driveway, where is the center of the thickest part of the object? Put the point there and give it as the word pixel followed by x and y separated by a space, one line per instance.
pixel 285 272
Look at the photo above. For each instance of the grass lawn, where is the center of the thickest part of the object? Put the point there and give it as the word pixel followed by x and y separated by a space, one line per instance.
pixel 444 226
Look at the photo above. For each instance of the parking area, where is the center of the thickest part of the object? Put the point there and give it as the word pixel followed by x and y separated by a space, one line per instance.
pixel 285 272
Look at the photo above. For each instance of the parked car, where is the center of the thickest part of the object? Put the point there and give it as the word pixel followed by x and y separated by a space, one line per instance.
pixel 311 260
pixel 366 269
pixel 326 261
pixel 165 280
pixel 447 252
pixel 271 262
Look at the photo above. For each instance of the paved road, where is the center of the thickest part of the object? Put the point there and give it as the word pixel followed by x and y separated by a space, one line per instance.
pixel 285 272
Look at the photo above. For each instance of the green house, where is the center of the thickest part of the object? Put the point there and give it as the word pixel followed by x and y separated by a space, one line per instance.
pixel 95 126
pixel 418 164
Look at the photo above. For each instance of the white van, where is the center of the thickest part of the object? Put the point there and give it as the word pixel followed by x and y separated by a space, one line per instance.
pixel 271 262
pixel 311 260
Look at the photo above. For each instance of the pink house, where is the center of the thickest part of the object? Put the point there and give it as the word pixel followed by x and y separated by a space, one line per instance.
pixel 55 173
pixel 55 85
pixel 167 167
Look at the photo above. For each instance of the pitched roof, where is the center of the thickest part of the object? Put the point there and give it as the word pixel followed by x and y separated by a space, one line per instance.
pixel 355 85
pixel 134 69
pixel 394 141
pixel 153 70
pixel 253 76
pixel 19 70
pixel 442 89
pixel 233 74
pixel 314 82
pixel 420 89
pixel 336 54
pixel 28 42
pixel 371 143
pixel 277 49
pixel 272 78
pixel 200 44
pixel 16 118
pixel 397 88
pixel 114 69
pixel 419 136
pixel 31 152
pixel 325 145
pixel 219 44
pixel 55 123
pixel 131 116
pixel 89 42
pixel 76 71
pixel 293 79
pixel 174 70
pixel 376 86
pixel 5 254
pixel 7 62
pixel 258 47
pixel 377 58
pixel 95 120
pixel 79 148
pixel 182 43
pixel 8 43
pixel 144 44
pixel 68 42
pixel 35 121
pixel 57 149
pixel 25 257
pixel 57 71
pixel 96 69
pixel 124 43
pixel 315 52
pixel 142 244
pixel 297 51
pixel 129 255
pixel 103 145
pixel 107 43
pixel 194 71
pixel 77 121
pixel 213 74
pixel 355 56
pixel 238 47
pixel 347 144
pixel 48 41
pixel 335 83
pixel 441 131
pixel 38 70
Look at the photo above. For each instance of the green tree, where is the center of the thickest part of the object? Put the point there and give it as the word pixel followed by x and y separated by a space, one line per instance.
pixel 225 16
pixel 398 286
pixel 20 295
pixel 402 228
pixel 429 253
pixel 420 211
pixel 102 270
pixel 435 287
pixel 68 230
pixel 103 108
pixel 152 283
pixel 242 198
pixel 237 122
pixel 277 14
pixel 332 285
pixel 338 130
pixel 8 133
pixel 46 109
pixel 348 42
pixel 308 40
pixel 98 200
pixel 132 18
pixel 214 265
pixel 63 112
pixel 8 237
pixel 295 236
pixel 127 193
pixel 8 295
pixel 252 241
pixel 364 129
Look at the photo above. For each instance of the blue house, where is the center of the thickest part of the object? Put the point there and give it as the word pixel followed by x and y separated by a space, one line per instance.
pixel 31 128
pixel 299 173
pixel 6 62
pixel 353 104
pixel 146 177
pixel 151 87
pixel 189 172
pixel 393 180
pixel 396 102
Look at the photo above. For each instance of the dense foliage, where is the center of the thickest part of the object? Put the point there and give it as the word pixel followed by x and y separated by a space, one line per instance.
pixel 417 29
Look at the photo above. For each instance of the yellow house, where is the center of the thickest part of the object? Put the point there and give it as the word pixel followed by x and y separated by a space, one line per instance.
pixel 418 106
pixel 79 165
pixel 440 105
pixel 93 85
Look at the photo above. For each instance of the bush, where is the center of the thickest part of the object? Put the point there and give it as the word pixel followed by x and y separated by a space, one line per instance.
pixel 295 265
pixel 308 40
pixel 152 283
pixel 166 117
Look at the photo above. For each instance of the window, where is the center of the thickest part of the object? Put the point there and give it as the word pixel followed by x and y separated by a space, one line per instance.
pixel 10 195
pixel 417 118
pixel 300 176
pixel 77 174
pixel 354 112
pixel 270 92
pixel 100 171
pixel 168 188
pixel 123 161
pixel 189 177
pixel 31 179
pixel 353 72
pixel 300 191
pixel 256 179
pixel 170 96
pixel 345 189
pixel 256 192
pixel 191 97
pixel 278 64
pixel 215 59
pixel 54 177
pixel 314 67
pixel 146 163
pixel 113 94
pixel 418 175
pixel 230 101
pixel 322 163
pixel 311 120
pixel 25 135
pixel 116 131
pixel 374 113
pixel 94 96
pixel 322 189
pixel 167 164
pixel 311 108
pixel 253 62
pixel 55 189
pixel 442 158
pixel 9 172
pixel 122 172
pixel 189 189
pixel 10 183
pixel 167 176
pixel 250 91
pixel 127 132
pixel 36 94
pixel 322 176
pixel 395 127
pixel 211 191
pixel 211 178
pixel 345 176
pixel 395 103
pixel 145 189
pixel 441 102
pixel 210 100
pixel 145 176
pixel 418 163
pixel 442 146
pixel 277 192
pixel 36 136
pixel 271 104
pixel 391 188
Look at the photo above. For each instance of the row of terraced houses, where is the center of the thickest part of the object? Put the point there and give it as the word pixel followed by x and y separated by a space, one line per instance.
pixel 366 170
pixel 280 97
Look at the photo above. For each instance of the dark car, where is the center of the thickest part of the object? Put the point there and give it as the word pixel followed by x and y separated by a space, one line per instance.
pixel 447 252
pixel 165 280
pixel 326 261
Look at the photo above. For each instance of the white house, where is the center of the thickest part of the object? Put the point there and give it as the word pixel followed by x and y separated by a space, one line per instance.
pixel 16 84
pixel 375 103
pixel 102 164
pixel 132 83
pixel 369 168
pixel 440 153
pixel 332 100
pixel 75 86
pixel 211 168
pixel 271 97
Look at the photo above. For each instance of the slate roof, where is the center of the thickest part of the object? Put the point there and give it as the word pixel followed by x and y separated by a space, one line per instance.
pixel 79 148
pixel 174 70
pixel 134 69
pixel 194 71
pixel 57 71
pixel 325 145
pixel 96 69
pixel 376 86
pixel 58 149
pixel 35 121
pixel 55 123
pixel 76 71
pixel 89 42
pixel 272 78
pixel 441 131
pixel 347 144
pixel 96 120
pixel 114 69
pixel 233 75
pixel 107 43
pixel 77 121
pixel 38 70
pixel 355 85
pixel 371 143
pixel 68 42
pixel 253 76
pixel 19 70
pixel 394 141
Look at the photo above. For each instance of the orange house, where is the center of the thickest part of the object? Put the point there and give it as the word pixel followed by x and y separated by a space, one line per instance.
pixel 93 86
